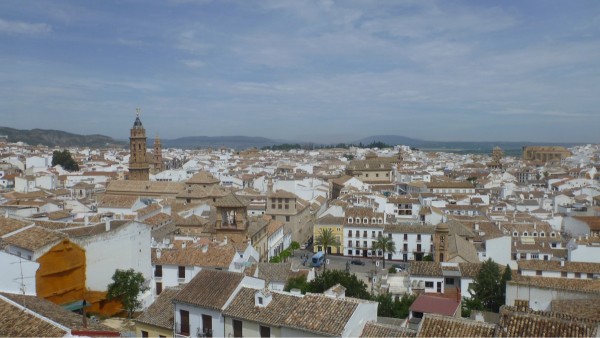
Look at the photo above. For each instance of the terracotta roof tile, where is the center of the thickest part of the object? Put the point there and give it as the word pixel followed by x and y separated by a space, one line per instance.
pixel 514 323
pixel 313 310
pixel 34 238
pixel 160 313
pixel 445 326
pixel 376 330
pixel 15 322
pixel 216 256
pixel 210 289
pixel 8 225
pixel 423 268
pixel 274 314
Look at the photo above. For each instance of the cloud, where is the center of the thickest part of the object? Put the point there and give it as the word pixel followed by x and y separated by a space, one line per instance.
pixel 542 113
pixel 193 63
pixel 189 41
pixel 20 27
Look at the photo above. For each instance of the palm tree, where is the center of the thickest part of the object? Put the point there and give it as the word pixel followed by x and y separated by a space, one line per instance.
pixel 385 244
pixel 325 238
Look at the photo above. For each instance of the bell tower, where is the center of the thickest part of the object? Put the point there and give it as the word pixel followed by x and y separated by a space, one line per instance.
pixel 139 170
pixel 158 161
pixel 440 242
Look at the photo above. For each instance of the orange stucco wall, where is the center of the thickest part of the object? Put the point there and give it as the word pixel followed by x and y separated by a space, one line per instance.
pixel 61 279
pixel 61 275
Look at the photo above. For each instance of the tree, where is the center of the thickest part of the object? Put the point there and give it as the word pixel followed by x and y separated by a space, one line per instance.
pixel 325 238
pixel 296 283
pixel 65 160
pixel 384 244
pixel 294 246
pixel 397 308
pixel 126 286
pixel 486 291
pixel 354 287
pixel 506 276
pixel 428 258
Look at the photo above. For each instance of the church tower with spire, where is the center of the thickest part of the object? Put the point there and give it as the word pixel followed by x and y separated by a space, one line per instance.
pixel 139 170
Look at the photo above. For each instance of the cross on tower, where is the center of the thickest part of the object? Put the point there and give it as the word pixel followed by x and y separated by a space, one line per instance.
pixel 138 111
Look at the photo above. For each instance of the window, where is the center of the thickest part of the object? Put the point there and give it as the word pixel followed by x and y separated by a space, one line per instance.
pixel 364 244
pixel 419 237
pixel 366 220
pixel 373 220
pixel 542 234
pixel 287 218
pixel 405 248
pixel 350 252
pixel 563 274
pixel 515 234
pixel 373 233
pixel 350 220
pixel 237 328
pixel 428 284
pixel 358 244
pixel 158 288
pixel 538 272
pixel 185 322
pixel 144 334
pixel 260 301
pixel 577 274
pixel 535 256
pixel 158 271
pixel 365 233
pixel 357 220
pixel 552 234
pixel 349 233
pixel 265 331
pixel 356 233
pixel 349 244
pixel 590 275
pixel 418 247
pixel 181 272
pixel 406 237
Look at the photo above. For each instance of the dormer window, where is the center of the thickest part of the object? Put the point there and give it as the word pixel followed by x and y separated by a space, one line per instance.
pixel 515 234
pixel 380 220
pixel 373 220
pixel 357 220
pixel 525 233
pixel 552 234
pixel 260 301
pixel 350 220
pixel 535 234
pixel 542 234
pixel 366 220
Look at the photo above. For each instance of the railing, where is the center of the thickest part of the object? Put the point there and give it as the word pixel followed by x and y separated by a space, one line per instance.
pixel 204 332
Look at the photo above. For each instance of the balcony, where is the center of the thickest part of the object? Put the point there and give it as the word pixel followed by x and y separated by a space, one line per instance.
pixel 204 332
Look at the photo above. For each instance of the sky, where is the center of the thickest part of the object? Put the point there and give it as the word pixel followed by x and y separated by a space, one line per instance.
pixel 304 70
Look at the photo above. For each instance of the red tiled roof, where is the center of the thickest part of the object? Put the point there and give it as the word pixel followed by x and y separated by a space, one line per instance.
pixel 432 304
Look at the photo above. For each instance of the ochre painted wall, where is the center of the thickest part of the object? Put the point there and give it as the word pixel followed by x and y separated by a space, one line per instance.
pixel 61 275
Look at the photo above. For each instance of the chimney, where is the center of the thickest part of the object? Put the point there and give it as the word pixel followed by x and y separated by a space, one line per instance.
pixel 205 248
pixel 183 245
pixel 86 220
pixel 224 239
pixel 107 224
pixel 562 262
pixel 262 298
pixel 158 253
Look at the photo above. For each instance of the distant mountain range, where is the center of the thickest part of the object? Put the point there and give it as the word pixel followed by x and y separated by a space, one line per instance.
pixel 57 138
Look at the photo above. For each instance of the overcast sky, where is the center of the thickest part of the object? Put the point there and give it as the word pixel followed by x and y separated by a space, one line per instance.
pixel 320 71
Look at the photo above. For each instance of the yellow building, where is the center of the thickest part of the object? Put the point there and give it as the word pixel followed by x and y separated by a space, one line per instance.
pixel 336 224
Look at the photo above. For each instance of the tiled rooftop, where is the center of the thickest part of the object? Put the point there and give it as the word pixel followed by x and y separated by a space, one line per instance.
pixel 274 314
pixel 514 323
pixel 15 322
pixel 209 289
pixel 375 330
pixel 313 310
pixel 160 313
pixel 34 238
pixel 445 326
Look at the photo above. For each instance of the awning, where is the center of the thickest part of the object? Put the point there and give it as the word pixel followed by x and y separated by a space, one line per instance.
pixel 76 305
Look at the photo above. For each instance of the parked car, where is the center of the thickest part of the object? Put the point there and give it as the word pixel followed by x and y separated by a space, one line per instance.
pixel 398 267
pixel 357 262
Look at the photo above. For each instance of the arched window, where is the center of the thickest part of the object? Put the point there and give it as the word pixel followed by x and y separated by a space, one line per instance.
pixel 365 220
pixel 357 220
pixel 350 220
pixel 380 220
pixel 373 220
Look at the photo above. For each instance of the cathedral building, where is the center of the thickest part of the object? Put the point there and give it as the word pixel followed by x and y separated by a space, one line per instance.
pixel 139 169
